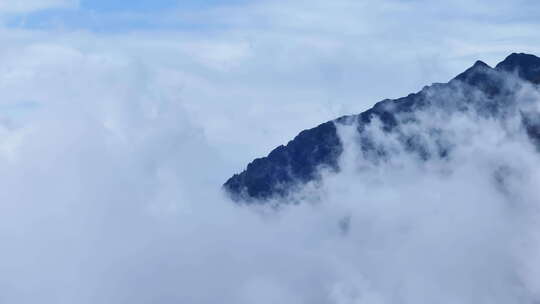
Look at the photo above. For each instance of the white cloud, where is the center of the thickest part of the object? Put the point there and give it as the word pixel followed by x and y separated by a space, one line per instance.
pixel 111 180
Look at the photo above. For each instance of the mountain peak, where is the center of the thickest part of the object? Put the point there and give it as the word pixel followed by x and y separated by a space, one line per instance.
pixel 299 161
pixel 480 63
pixel 480 76
pixel 478 67
pixel 526 66
pixel 518 59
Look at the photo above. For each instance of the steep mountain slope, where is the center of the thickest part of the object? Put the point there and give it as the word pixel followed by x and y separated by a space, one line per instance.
pixel 486 91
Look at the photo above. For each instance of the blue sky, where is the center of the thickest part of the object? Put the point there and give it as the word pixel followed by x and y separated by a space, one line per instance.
pixel 133 5
pixel 149 5
pixel 112 16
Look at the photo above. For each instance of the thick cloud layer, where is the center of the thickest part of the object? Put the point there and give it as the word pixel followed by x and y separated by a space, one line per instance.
pixel 113 149
pixel 112 197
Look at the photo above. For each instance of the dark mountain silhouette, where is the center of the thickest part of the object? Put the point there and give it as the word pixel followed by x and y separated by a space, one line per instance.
pixel 485 90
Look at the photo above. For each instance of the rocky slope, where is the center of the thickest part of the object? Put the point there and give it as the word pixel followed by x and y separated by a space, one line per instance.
pixel 487 91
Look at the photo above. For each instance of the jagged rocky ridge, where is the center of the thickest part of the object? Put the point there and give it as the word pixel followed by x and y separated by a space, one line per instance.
pixel 487 91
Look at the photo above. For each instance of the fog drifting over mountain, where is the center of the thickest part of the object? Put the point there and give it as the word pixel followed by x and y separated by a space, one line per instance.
pixel 114 146
pixel 114 203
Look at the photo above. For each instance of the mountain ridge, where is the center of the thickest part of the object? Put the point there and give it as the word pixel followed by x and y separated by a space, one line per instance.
pixel 299 161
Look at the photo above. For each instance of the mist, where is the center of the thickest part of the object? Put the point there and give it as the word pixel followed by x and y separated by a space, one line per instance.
pixel 120 202
pixel 114 147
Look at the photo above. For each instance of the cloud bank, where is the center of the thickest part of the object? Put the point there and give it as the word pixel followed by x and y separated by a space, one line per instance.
pixel 112 196
pixel 113 148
